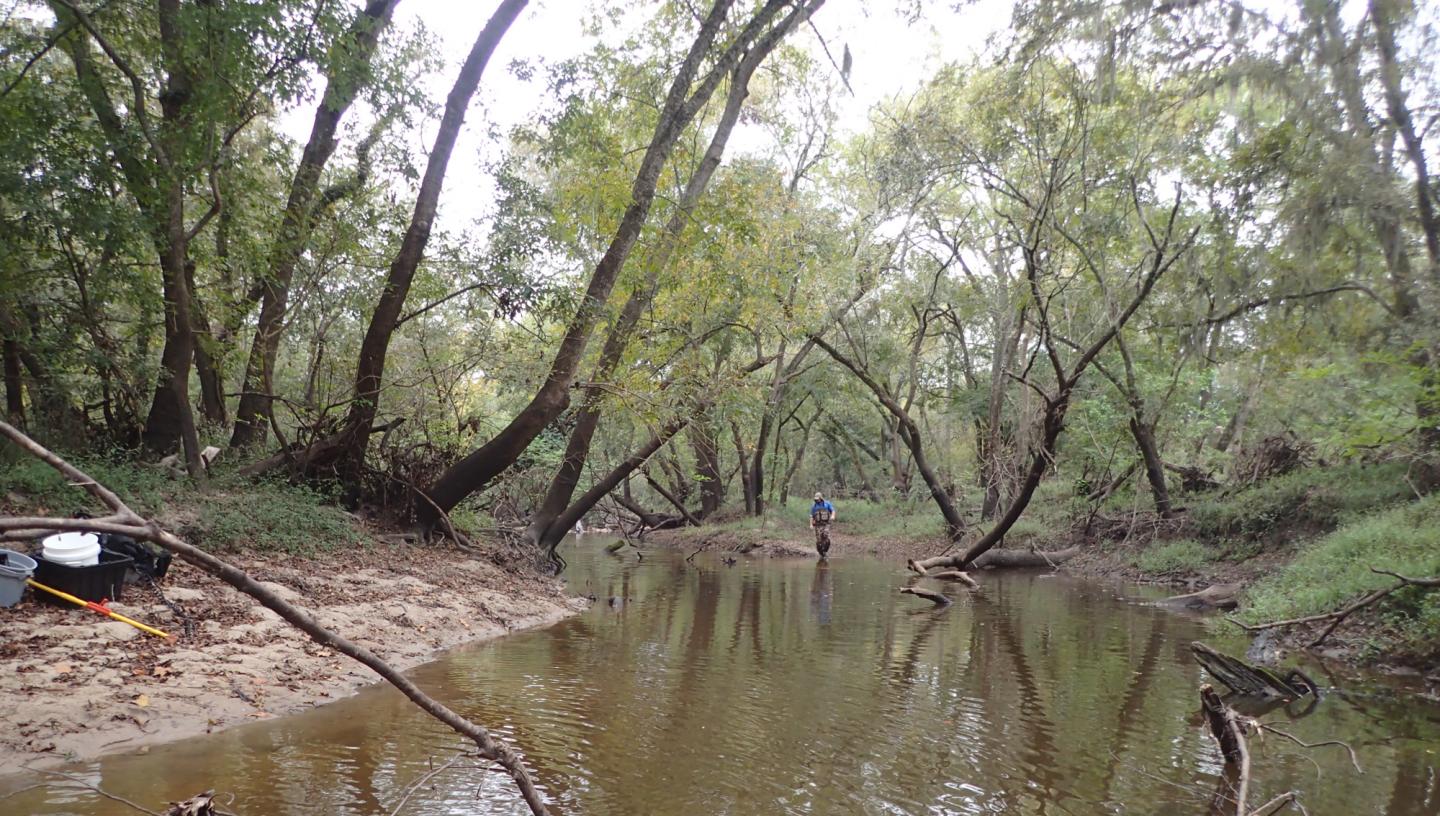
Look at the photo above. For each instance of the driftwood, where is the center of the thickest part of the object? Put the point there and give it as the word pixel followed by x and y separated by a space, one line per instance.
pixel 202 804
pixel 123 520
pixel 928 594
pixel 995 559
pixel 1251 681
pixel 1218 596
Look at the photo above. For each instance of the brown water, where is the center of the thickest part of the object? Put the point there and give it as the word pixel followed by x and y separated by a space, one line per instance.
pixel 783 687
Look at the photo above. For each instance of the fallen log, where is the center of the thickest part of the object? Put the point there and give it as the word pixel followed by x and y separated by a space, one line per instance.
pixel 928 594
pixel 1217 596
pixel 996 559
pixel 1251 681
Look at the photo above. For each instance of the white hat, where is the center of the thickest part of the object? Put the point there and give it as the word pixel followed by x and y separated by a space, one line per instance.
pixel 819 497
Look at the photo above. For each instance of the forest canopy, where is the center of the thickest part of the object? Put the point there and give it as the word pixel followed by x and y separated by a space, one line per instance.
pixel 1127 249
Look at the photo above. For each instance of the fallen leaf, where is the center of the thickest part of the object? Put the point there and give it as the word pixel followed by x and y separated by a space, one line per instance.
pixel 161 671
pixel 143 700
pixel 63 668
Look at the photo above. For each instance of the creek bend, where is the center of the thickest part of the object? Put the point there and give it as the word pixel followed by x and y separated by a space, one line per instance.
pixel 786 686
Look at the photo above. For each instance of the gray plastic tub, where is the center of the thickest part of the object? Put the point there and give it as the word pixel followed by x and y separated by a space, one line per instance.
pixel 14 569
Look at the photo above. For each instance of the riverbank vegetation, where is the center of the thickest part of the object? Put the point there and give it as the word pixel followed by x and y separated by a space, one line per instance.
pixel 1165 281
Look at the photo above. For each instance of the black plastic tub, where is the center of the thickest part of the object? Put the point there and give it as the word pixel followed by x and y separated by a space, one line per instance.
pixel 101 582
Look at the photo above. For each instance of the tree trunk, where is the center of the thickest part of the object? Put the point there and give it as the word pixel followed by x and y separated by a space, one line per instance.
pixel 14 385
pixel 207 365
pixel 342 85
pixel 476 470
pixel 171 423
pixel 354 439
pixel 1154 466
pixel 743 456
pixel 707 465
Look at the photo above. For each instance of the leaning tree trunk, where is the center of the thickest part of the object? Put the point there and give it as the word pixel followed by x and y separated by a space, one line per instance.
pixel 350 448
pixel 476 470
pixel 909 433
pixel 577 448
pixel 563 523
pixel 342 85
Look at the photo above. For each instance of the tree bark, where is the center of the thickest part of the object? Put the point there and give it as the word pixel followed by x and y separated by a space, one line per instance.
pixel 207 366
pixel 343 83
pixel 476 470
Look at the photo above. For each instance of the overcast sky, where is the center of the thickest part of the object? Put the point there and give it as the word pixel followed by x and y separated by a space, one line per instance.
pixel 890 55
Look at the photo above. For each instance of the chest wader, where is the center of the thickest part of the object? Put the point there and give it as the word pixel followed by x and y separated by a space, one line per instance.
pixel 822 532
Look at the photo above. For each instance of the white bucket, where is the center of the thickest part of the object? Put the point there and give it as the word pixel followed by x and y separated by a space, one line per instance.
pixel 72 549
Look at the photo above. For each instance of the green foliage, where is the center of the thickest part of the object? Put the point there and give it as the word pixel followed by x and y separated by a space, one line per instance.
pixel 1335 569
pixel 1311 498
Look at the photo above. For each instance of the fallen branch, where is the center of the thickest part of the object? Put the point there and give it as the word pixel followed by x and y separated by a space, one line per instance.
pixel 1339 615
pixel 1354 760
pixel 431 774
pixel 955 575
pixel 928 594
pixel 126 521
pixel 81 781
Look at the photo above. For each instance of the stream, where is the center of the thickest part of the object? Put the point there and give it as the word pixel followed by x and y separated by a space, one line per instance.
pixel 790 687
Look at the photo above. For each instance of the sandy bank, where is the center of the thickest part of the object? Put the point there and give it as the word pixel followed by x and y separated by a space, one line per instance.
pixel 77 685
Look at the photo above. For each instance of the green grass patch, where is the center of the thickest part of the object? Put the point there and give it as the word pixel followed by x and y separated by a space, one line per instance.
pixel 1314 499
pixel 228 513
pixel 1335 569
pixel 1174 556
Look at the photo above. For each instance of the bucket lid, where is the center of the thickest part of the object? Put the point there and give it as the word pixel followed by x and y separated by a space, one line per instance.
pixel 71 542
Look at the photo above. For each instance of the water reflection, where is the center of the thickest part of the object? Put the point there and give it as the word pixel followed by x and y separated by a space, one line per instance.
pixel 803 688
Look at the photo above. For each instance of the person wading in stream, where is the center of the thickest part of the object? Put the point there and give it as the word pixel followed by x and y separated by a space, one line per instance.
pixel 821 514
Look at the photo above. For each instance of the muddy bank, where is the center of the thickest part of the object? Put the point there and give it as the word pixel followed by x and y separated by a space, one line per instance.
pixel 78 686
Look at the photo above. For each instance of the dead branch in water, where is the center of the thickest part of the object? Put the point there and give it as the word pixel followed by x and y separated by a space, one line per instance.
pixel 928 594
pixel 955 575
pixel 125 521
pixel 1354 760
pixel 1339 615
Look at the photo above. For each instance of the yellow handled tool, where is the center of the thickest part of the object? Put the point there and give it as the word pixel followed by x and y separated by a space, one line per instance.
pixel 97 607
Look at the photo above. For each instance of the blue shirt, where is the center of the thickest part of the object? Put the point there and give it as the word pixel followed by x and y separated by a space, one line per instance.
pixel 821 505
